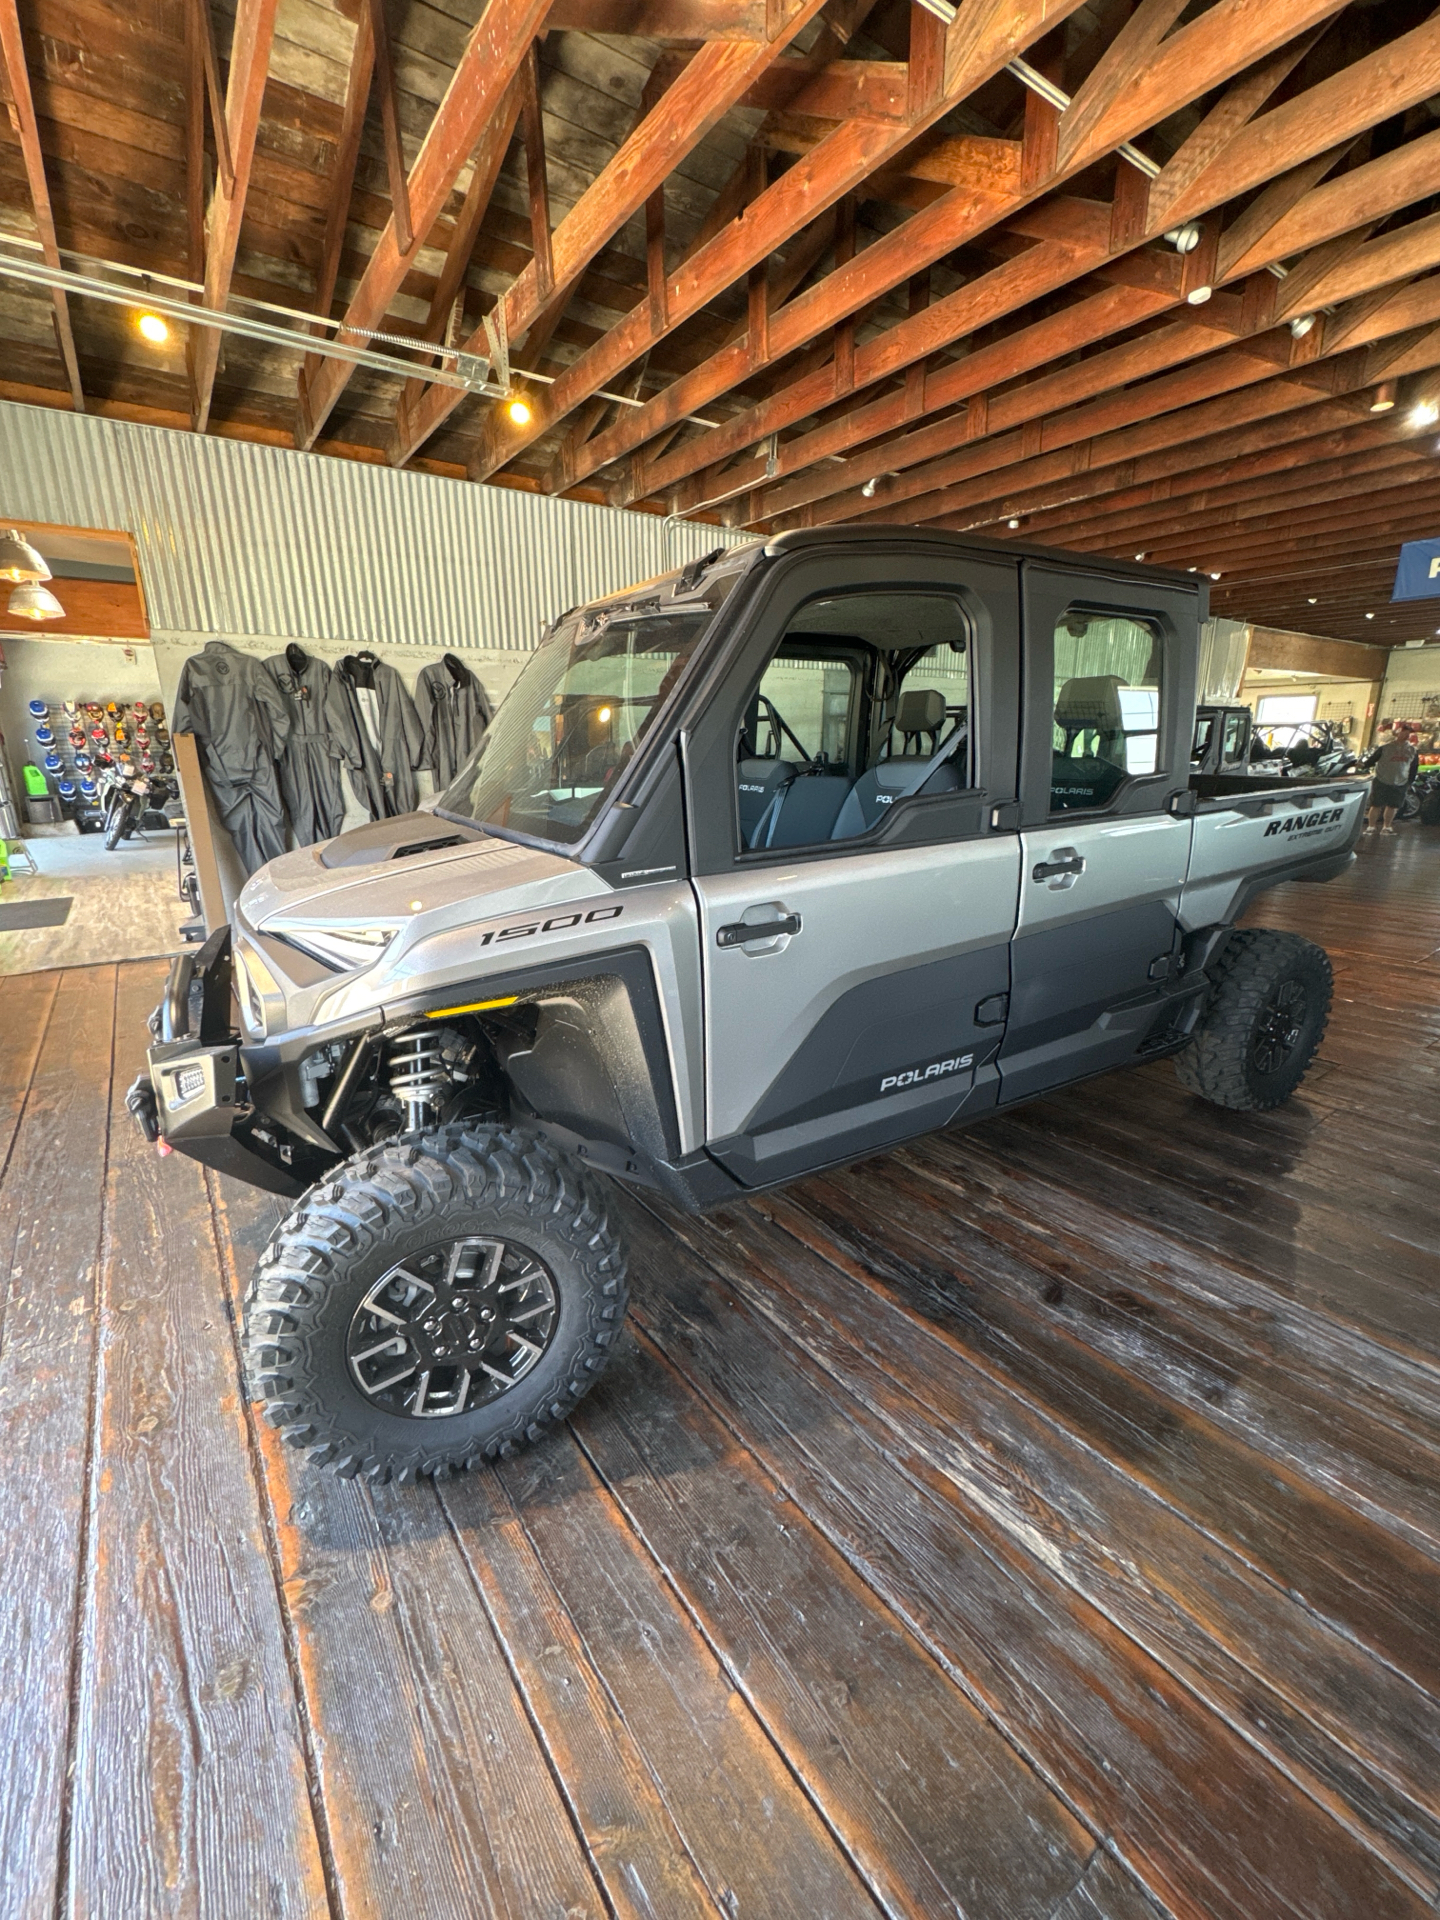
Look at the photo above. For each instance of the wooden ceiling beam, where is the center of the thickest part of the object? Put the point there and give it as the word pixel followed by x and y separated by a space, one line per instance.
pixel 22 111
pixel 987 33
pixel 1344 507
pixel 719 74
pixel 200 23
pixel 1111 401
pixel 492 57
pixel 249 64
pixel 390 123
pixel 1275 410
pixel 342 173
pixel 952 319
pixel 1297 476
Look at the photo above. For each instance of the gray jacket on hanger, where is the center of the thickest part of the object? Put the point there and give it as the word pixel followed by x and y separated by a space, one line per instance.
pixel 310 764
pixel 456 713
pixel 373 721
pixel 240 723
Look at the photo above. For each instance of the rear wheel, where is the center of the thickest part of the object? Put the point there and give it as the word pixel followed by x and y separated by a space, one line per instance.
pixel 1264 1020
pixel 445 1298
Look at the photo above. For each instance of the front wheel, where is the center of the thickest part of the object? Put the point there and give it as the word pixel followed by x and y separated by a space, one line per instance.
pixel 441 1299
pixel 1263 1022
pixel 120 826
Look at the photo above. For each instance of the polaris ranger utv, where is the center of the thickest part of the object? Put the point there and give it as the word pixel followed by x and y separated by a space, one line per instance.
pixel 778 860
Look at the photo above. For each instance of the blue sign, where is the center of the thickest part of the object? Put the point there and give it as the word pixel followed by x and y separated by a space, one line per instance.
pixel 1418 575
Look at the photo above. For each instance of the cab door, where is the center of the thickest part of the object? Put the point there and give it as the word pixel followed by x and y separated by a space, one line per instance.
pixel 856 987
pixel 1109 713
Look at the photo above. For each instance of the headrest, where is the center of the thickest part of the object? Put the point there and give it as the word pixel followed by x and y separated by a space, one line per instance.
pixel 1091 703
pixel 921 710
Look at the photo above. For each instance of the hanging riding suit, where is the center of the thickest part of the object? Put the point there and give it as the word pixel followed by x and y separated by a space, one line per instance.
pixel 374 723
pixel 456 713
pixel 310 764
pixel 240 723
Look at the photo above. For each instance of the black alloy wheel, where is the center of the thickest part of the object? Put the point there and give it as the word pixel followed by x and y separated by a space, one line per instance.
pixel 1279 1026
pixel 452 1328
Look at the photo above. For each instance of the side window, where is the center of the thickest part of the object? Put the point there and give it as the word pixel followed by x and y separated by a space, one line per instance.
pixel 1107 707
pixel 863 703
pixel 1236 729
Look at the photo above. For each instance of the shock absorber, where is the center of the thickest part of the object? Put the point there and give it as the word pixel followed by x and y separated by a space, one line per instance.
pixel 417 1077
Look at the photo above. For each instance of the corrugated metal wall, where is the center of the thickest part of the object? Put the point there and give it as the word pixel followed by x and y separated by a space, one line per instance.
pixel 241 539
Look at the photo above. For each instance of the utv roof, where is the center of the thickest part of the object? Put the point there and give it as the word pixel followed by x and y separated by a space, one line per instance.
pixel 881 537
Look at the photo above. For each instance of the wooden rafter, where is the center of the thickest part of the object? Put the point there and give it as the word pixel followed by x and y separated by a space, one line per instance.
pixel 1359 269
pixel 1241 33
pixel 347 153
pixel 22 107
pixel 718 74
pixel 390 124
pixel 198 20
pixel 249 64
pixel 493 56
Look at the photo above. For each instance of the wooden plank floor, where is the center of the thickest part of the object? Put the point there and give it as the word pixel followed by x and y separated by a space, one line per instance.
pixel 1040 1521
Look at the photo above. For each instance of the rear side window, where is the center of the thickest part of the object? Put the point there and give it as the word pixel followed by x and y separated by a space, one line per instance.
pixel 1107 707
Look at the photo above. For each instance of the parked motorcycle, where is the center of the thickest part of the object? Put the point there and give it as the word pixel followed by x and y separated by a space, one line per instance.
pixel 127 793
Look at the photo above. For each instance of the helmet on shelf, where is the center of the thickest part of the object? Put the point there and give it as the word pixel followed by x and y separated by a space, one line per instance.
pixel 67 789
pixel 53 763
pixel 88 788
pixel 39 709
pixel 44 736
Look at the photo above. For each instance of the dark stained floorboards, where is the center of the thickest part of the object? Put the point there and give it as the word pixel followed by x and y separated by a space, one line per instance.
pixel 1039 1523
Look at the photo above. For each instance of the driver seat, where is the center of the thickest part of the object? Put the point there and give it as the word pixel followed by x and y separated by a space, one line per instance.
pixel 758 781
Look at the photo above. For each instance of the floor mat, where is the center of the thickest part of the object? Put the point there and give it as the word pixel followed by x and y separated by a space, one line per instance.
pixel 20 914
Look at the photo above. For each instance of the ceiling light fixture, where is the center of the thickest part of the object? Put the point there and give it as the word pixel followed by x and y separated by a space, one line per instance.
pixel 1214 576
pixel 1302 324
pixel 1369 616
pixel 18 559
pixel 34 602
pixel 1424 414
pixel 1314 599
pixel 1384 397
pixel 869 487
pixel 1198 296
pixel 1139 556
pixel 517 411
pixel 152 328
pixel 1013 524
pixel 1185 239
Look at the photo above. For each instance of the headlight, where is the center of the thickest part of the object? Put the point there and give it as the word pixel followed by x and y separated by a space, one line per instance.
pixel 347 948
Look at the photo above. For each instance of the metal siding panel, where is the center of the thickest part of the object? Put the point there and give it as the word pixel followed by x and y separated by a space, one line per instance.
pixel 243 539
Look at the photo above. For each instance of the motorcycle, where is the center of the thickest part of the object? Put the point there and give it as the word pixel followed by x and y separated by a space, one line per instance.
pixel 127 795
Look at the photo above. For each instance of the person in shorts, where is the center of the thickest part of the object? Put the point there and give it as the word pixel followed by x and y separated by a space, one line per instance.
pixel 1394 771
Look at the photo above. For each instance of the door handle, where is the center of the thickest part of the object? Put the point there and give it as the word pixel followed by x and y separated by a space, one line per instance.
pixel 740 933
pixel 1064 860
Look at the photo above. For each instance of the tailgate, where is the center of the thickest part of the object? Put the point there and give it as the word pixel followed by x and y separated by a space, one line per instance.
pixel 1244 843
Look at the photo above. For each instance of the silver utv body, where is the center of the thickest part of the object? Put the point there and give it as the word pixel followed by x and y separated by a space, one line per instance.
pixel 762 956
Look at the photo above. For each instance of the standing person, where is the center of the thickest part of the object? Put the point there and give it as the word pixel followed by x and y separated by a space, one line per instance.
pixel 1394 771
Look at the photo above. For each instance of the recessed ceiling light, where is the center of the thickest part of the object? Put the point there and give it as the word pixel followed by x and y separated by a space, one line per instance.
pixel 153 328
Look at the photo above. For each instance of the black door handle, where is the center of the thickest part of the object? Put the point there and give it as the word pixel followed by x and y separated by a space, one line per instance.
pixel 1047 869
pixel 741 932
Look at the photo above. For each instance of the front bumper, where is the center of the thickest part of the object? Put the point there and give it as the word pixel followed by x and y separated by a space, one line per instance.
pixel 195 1102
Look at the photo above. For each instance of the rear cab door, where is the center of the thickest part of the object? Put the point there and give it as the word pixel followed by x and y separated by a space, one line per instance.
pixel 1110 671
pixel 868 1003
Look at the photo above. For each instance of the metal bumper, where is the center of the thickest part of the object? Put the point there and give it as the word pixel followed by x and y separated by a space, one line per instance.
pixel 193 1102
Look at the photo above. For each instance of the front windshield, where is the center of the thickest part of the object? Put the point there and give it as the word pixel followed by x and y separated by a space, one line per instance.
pixel 572 721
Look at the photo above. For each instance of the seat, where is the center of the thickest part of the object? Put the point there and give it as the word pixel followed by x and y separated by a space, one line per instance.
pixel 919 710
pixel 758 781
pixel 802 813
pixel 1092 705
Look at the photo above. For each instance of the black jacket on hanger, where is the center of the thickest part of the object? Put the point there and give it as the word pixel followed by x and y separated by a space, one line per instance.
pixel 241 724
pixel 456 713
pixel 373 721
pixel 310 764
